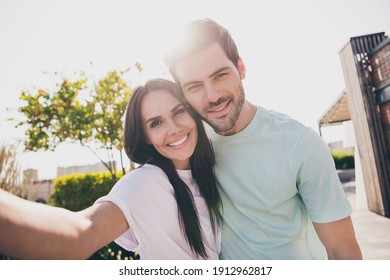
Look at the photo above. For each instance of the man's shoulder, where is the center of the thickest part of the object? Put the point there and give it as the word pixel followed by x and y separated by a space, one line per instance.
pixel 282 126
pixel 278 119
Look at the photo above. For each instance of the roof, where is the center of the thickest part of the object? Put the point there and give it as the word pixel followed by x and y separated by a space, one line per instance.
pixel 338 112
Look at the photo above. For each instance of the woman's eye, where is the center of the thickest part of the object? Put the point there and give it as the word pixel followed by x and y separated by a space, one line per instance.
pixel 179 112
pixel 155 123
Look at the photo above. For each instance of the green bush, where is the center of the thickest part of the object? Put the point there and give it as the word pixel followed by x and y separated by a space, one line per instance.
pixel 344 159
pixel 77 192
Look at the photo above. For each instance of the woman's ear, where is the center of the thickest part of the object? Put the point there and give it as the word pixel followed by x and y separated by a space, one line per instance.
pixel 241 68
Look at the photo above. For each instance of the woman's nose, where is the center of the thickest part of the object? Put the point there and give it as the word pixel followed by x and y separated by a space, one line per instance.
pixel 173 127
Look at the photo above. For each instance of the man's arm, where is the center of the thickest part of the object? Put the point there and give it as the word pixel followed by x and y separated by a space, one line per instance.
pixel 339 239
pixel 31 230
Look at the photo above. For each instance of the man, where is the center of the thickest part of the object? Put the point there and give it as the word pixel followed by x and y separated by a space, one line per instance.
pixel 279 186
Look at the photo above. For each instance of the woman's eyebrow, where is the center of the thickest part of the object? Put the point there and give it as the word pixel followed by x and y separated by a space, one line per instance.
pixel 157 117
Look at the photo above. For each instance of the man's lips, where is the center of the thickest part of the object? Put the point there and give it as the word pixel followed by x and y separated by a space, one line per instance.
pixel 219 109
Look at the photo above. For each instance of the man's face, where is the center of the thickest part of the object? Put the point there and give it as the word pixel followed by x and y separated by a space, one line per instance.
pixel 212 85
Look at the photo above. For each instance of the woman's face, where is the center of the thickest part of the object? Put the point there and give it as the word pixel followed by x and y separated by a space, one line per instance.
pixel 169 127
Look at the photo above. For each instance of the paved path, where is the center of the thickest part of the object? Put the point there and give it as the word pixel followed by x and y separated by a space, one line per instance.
pixel 372 230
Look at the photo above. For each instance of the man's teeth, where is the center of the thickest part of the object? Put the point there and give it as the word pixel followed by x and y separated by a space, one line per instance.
pixel 177 143
pixel 219 109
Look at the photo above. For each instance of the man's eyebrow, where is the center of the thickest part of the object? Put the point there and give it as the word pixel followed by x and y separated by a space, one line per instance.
pixel 219 71
pixel 211 75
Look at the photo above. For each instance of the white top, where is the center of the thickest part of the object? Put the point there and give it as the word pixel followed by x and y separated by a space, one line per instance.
pixel 147 200
pixel 276 177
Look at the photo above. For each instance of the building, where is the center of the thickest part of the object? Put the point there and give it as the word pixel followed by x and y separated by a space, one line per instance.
pixel 366 101
pixel 40 190
pixel 82 169
pixel 35 189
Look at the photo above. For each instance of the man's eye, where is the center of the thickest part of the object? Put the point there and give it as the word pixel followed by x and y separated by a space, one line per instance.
pixel 193 87
pixel 220 75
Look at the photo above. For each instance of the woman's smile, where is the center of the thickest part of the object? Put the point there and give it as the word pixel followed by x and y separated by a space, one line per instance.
pixel 169 127
pixel 178 143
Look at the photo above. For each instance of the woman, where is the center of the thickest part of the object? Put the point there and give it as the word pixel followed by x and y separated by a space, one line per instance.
pixel 168 208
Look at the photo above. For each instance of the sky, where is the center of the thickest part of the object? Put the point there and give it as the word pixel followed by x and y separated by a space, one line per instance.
pixel 290 49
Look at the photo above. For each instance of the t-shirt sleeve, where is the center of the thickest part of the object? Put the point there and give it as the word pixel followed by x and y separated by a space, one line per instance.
pixel 136 194
pixel 121 196
pixel 317 181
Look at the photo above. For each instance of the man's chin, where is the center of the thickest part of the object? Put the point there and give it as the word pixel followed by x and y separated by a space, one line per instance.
pixel 221 128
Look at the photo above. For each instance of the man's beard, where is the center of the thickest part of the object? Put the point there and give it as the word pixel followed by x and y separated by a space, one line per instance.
pixel 227 123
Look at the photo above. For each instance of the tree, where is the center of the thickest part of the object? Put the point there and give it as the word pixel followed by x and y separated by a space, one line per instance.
pixel 9 168
pixel 79 111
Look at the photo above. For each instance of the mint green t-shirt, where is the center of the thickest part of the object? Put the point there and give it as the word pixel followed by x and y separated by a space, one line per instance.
pixel 276 177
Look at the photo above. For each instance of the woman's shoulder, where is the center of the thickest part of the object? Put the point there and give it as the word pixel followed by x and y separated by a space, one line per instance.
pixel 146 172
pixel 145 181
pixel 148 169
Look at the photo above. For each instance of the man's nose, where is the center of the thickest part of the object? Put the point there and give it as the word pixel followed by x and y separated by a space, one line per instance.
pixel 212 93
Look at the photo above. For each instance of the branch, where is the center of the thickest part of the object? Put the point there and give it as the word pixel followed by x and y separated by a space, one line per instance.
pixel 123 167
pixel 101 160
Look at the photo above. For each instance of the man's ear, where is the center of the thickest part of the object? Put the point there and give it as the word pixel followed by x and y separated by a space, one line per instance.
pixel 241 68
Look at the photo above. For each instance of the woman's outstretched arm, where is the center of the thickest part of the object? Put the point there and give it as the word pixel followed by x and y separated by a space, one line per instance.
pixel 30 230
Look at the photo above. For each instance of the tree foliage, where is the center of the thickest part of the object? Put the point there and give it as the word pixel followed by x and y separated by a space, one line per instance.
pixel 79 111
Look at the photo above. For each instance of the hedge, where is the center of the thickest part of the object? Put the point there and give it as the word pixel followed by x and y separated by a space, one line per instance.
pixel 344 159
pixel 77 192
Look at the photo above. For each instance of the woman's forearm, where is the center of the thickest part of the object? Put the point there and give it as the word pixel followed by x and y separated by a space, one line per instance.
pixel 30 230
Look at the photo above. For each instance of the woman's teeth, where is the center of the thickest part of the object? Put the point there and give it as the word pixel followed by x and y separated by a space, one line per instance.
pixel 177 143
